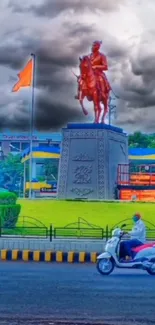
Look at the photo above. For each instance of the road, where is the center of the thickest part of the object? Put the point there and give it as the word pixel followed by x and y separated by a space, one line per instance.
pixel 63 291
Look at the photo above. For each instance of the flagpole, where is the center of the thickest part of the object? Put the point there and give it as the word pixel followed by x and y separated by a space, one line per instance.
pixel 31 127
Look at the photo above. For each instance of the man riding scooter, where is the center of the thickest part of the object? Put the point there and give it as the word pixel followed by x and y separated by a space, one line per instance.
pixel 138 237
pixel 140 255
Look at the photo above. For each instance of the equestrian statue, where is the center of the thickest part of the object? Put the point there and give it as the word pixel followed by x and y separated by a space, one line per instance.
pixel 93 83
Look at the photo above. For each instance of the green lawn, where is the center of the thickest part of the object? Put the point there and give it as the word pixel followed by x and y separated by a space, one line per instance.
pixel 61 213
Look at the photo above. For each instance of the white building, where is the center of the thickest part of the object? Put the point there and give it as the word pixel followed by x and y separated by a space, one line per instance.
pixel 17 142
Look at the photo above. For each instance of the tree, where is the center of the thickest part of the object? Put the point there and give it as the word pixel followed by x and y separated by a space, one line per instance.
pixel 152 141
pixel 11 173
pixel 139 140
pixel 51 170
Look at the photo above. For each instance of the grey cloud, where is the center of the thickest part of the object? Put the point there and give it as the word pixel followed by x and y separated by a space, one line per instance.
pixel 136 86
pixel 52 8
pixel 58 53
pixel 137 120
pixel 115 49
pixel 19 119
pixel 53 75
pixel 55 114
pixel 49 115
pixel 143 65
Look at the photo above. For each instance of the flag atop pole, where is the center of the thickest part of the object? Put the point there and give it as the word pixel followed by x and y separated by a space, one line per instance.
pixel 25 77
pixel 32 124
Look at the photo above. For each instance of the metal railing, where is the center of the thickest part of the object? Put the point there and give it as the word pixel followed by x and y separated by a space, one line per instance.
pixel 68 232
pixel 82 233
pixel 24 232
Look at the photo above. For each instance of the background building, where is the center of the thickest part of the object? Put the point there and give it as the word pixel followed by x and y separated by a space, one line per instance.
pixel 17 142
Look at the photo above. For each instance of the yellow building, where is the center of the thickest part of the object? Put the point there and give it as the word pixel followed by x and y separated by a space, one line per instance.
pixel 39 185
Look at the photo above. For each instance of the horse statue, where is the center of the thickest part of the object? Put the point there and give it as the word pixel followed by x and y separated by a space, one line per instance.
pixel 89 87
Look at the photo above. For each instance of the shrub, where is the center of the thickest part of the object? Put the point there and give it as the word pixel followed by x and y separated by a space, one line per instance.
pixel 7 198
pixel 9 210
pixel 9 215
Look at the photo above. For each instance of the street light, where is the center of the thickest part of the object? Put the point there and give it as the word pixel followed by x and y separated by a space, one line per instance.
pixel 112 107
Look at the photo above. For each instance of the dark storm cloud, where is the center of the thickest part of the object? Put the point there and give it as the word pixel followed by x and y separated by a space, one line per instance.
pixel 144 65
pixel 54 78
pixel 137 86
pixel 49 115
pixel 142 88
pixel 52 8
pixel 55 54
pixel 55 114
pixel 116 51
pixel 19 120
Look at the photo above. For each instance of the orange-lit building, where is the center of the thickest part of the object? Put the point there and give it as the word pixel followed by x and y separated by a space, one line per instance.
pixel 136 181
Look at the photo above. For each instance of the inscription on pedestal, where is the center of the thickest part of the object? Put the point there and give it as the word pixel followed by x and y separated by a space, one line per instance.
pixel 83 157
pixel 82 192
pixel 82 174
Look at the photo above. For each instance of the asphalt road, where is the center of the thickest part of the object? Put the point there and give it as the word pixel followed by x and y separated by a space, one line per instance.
pixel 63 291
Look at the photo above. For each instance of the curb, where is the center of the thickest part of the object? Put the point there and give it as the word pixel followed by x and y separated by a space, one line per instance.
pixel 48 256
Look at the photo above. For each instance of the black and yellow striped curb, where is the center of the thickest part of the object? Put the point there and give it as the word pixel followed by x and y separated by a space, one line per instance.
pixel 48 256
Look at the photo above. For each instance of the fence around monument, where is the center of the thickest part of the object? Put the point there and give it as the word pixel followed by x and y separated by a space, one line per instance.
pixel 81 230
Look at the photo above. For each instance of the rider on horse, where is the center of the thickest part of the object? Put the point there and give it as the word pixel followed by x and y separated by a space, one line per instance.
pixel 99 64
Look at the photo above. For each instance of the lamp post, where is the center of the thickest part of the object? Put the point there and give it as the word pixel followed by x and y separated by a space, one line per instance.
pixel 112 107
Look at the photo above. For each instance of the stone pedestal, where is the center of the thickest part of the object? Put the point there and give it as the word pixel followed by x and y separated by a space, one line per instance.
pixel 90 154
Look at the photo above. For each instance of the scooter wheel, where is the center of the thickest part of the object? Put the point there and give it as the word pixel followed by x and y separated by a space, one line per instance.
pixel 151 271
pixel 105 266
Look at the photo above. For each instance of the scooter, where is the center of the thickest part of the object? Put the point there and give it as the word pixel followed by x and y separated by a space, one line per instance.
pixel 144 259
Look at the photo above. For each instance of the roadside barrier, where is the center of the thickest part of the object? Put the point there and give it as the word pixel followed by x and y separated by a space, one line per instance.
pixel 48 256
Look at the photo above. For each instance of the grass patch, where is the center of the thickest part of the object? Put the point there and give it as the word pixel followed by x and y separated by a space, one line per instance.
pixel 61 213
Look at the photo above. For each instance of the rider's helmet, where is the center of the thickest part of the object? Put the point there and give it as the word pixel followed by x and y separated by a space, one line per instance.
pixel 136 217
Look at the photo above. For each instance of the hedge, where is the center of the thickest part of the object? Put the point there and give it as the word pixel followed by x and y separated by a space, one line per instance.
pixel 9 215
pixel 7 198
pixel 9 210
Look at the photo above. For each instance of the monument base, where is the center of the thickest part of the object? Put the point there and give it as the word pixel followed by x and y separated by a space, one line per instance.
pixel 90 155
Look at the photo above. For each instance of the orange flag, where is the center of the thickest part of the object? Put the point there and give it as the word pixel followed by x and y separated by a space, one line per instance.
pixel 25 77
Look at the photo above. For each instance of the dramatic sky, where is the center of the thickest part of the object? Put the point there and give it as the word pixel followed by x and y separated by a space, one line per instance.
pixel 59 31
